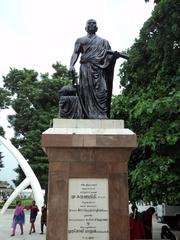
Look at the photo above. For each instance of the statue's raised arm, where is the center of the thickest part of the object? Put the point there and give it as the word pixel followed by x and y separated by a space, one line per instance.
pixel 117 54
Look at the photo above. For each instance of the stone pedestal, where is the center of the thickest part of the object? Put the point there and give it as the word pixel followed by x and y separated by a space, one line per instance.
pixel 92 156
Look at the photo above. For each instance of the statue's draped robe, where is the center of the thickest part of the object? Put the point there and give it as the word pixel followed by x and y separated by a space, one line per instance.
pixel 96 77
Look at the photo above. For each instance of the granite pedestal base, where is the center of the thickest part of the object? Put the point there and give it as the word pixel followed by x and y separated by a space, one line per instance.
pixel 82 152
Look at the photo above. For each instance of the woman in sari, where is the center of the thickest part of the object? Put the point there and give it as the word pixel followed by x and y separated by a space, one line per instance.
pixel 18 218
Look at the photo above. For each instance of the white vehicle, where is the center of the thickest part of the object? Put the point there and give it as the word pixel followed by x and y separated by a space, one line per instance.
pixel 168 214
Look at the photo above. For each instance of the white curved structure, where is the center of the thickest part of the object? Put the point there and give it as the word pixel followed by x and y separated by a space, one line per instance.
pixel 29 180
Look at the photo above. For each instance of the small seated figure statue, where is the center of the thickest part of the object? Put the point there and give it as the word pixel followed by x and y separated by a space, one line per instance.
pixel 69 105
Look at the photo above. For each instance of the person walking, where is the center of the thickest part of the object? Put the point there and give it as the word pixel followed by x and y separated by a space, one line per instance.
pixel 43 218
pixel 33 214
pixel 147 221
pixel 136 225
pixel 18 218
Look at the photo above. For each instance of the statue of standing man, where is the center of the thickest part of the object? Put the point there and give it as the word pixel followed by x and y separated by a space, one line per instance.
pixel 96 72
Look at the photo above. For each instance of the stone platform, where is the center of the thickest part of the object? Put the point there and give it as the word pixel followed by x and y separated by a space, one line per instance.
pixel 92 153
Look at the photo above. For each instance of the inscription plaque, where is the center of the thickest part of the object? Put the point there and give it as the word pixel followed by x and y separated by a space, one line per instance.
pixel 88 209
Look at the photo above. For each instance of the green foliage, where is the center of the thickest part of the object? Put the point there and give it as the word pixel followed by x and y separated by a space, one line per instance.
pixel 1 162
pixel 35 102
pixel 155 1
pixel 4 102
pixel 149 105
pixel 4 98
pixel 1 131
pixel 24 202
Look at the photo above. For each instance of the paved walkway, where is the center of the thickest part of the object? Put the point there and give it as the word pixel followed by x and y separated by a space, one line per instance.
pixel 5 228
pixel 6 221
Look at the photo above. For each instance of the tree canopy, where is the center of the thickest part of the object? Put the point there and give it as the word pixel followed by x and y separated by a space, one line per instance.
pixel 155 1
pixel 1 162
pixel 35 102
pixel 149 104
pixel 4 102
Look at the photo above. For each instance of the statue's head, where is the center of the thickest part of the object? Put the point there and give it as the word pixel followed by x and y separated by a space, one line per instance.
pixel 67 90
pixel 91 26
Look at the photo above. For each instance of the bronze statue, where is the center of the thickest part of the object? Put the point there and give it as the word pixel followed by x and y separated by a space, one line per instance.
pixel 69 105
pixel 97 61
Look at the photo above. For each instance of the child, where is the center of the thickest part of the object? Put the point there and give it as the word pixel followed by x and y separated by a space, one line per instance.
pixel 43 218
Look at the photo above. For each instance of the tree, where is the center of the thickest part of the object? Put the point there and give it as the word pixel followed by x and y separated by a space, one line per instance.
pixel 35 102
pixel 149 105
pixel 1 157
pixel 4 98
pixel 155 1
pixel 4 102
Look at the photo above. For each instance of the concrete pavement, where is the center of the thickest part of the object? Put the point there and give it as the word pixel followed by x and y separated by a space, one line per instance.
pixel 5 228
pixel 6 221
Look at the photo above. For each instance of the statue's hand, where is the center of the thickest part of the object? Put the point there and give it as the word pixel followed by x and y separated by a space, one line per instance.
pixel 72 71
pixel 72 74
pixel 116 55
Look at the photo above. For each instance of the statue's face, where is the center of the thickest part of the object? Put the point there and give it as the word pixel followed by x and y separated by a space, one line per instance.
pixel 91 26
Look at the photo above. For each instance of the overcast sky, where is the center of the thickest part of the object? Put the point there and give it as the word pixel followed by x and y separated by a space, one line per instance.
pixel 37 33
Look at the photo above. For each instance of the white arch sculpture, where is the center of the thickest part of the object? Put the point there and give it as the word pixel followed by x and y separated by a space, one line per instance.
pixel 30 179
